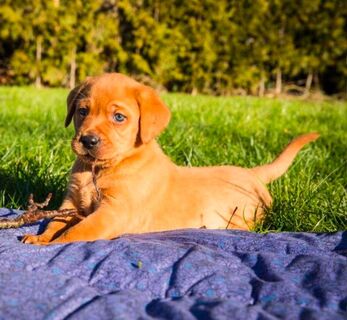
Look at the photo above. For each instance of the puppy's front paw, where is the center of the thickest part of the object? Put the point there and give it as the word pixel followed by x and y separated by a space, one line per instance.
pixel 33 239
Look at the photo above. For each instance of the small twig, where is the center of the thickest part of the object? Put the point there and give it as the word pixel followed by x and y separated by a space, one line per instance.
pixel 231 217
pixel 33 215
pixel 33 206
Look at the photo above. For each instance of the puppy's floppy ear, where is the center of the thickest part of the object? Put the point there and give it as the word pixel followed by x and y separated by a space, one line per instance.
pixel 73 97
pixel 154 114
pixel 71 104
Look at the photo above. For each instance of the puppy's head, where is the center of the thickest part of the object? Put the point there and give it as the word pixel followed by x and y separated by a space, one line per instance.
pixel 113 115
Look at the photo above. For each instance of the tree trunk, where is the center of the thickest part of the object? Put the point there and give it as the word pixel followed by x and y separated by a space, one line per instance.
pixel 156 11
pixel 72 82
pixel 38 83
pixel 278 89
pixel 308 83
pixel 261 90
pixel 316 81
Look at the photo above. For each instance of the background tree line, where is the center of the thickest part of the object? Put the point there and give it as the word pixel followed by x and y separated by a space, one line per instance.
pixel 207 46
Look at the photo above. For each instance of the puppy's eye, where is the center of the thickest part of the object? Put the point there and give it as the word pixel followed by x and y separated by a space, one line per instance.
pixel 118 117
pixel 83 112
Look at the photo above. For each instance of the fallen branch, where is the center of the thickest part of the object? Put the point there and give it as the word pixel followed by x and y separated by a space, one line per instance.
pixel 33 214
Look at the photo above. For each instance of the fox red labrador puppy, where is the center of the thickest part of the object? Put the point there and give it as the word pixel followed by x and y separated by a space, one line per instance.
pixel 122 182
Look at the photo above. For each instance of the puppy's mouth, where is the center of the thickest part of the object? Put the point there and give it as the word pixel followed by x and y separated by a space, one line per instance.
pixel 90 158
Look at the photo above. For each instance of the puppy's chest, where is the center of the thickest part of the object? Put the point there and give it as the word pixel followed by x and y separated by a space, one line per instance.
pixel 88 194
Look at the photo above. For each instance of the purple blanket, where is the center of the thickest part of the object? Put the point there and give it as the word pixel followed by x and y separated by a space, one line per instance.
pixel 184 274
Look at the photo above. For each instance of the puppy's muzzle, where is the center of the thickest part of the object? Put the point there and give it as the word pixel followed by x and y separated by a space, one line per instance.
pixel 90 141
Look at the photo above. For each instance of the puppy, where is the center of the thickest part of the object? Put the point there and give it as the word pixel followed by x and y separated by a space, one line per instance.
pixel 122 182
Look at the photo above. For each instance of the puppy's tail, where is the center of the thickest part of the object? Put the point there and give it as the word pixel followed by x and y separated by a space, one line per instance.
pixel 279 166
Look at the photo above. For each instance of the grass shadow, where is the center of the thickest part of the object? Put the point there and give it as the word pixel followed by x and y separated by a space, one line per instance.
pixel 16 186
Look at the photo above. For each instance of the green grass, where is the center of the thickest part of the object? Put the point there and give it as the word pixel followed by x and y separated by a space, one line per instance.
pixel 35 155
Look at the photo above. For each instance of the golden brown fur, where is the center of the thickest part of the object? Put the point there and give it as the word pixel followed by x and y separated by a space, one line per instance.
pixel 141 190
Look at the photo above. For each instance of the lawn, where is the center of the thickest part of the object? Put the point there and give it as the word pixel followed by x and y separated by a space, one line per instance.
pixel 35 155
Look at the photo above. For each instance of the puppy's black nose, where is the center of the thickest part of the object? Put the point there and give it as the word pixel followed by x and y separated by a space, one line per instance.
pixel 90 141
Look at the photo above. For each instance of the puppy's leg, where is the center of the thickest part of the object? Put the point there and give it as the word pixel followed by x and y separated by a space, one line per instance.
pixel 100 225
pixel 54 228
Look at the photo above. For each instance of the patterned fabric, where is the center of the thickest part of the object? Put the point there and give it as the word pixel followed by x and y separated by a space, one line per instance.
pixel 184 274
